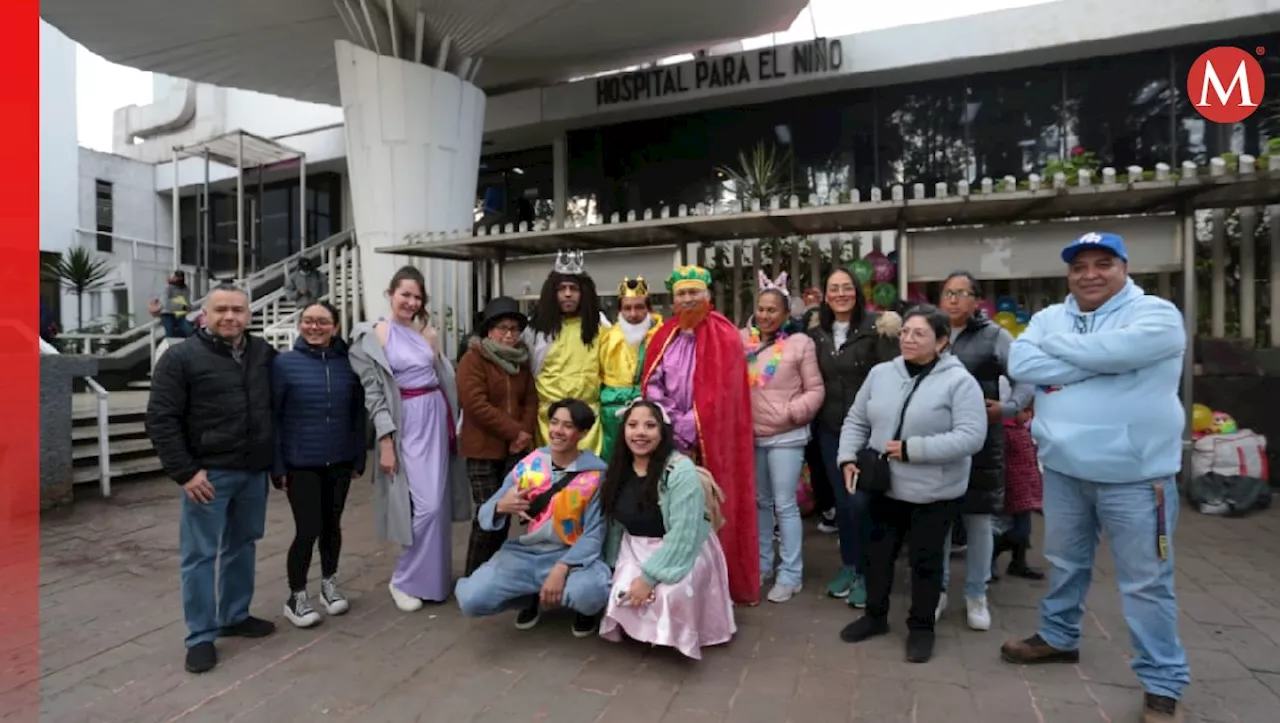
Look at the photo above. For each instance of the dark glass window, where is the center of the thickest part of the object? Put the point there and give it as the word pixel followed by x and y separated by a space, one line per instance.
pixel 1120 108
pixel 923 133
pixel 1015 121
pixel 105 214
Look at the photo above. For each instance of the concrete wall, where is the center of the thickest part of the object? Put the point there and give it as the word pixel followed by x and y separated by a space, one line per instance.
pixel 58 157
pixel 57 373
pixel 142 248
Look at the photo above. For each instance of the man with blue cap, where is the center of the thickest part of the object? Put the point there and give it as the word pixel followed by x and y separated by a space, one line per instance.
pixel 1107 364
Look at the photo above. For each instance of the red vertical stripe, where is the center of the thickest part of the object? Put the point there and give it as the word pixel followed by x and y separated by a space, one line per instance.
pixel 19 362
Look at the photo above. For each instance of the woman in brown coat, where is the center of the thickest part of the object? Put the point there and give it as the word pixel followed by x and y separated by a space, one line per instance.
pixel 499 407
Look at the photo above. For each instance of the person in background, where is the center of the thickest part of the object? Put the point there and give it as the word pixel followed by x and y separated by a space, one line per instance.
pixel 48 323
pixel 320 430
pixel 786 393
pixel 924 412
pixel 556 561
pixel 696 370
pixel 174 306
pixel 849 342
pixel 670 580
pixel 410 394
pixel 499 405
pixel 622 347
pixel 983 347
pixel 824 499
pixel 1107 364
pixel 563 337
pixel 218 444
pixel 1023 492
pixel 306 284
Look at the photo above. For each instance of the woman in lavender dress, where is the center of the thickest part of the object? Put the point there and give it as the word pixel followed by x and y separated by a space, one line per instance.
pixel 411 396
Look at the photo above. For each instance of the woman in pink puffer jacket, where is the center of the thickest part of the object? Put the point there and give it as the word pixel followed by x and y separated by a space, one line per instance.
pixel 786 393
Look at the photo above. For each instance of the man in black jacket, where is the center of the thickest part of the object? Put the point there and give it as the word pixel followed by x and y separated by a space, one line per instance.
pixel 209 418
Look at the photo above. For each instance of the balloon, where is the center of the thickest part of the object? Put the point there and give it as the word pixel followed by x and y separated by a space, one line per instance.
pixel 884 271
pixel 1223 424
pixel 1201 418
pixel 916 293
pixel 1006 303
pixel 988 308
pixel 1006 319
pixel 867 290
pixel 1017 330
pixel 1023 316
pixel 893 257
pixel 874 255
pixel 884 295
pixel 862 270
pixel 872 307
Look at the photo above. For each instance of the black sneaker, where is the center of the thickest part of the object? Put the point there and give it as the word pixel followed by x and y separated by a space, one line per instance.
pixel 298 610
pixel 250 627
pixel 863 628
pixel 584 625
pixel 529 616
pixel 919 646
pixel 201 658
pixel 1160 709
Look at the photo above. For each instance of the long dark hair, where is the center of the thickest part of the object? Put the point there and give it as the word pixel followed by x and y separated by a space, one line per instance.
pixel 409 273
pixel 827 317
pixel 547 319
pixel 622 459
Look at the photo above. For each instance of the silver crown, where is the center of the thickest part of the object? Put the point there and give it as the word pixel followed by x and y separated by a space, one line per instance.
pixel 569 262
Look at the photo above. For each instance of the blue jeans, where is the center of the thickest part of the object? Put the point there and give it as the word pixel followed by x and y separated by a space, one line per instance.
pixel 1076 515
pixel 977 556
pixel 851 509
pixel 229 526
pixel 513 577
pixel 175 328
pixel 777 478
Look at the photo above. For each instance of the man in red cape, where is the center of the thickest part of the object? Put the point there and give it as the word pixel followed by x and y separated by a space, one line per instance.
pixel 695 367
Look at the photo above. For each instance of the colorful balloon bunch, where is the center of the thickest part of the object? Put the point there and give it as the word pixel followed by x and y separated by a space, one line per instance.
pixel 877 274
pixel 1205 421
pixel 1006 312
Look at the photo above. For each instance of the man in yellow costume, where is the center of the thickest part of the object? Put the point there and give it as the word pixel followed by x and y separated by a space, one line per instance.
pixel 622 348
pixel 563 336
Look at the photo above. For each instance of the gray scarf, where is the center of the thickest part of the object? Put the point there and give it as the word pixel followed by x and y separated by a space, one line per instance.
pixel 508 358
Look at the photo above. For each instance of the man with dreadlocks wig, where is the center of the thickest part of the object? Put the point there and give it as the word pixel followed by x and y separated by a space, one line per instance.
pixel 694 367
pixel 562 336
pixel 622 348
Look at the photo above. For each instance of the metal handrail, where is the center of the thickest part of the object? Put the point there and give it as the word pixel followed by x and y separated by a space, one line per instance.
pixel 104 417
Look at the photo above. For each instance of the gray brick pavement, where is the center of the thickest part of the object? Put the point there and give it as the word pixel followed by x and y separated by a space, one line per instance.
pixel 111 639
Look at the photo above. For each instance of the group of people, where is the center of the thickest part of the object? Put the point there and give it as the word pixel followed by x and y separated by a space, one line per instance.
pixel 651 465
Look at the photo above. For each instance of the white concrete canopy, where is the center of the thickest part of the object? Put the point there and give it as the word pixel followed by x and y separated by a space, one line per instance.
pixel 285 47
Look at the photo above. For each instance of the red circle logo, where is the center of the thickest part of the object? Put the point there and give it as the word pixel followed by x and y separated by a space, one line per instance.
pixel 1226 84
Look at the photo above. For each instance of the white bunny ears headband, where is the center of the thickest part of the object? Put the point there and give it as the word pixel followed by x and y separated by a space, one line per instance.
pixel 779 284
pixel 666 417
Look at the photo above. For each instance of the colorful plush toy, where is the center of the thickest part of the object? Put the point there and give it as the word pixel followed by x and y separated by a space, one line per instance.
pixel 1223 423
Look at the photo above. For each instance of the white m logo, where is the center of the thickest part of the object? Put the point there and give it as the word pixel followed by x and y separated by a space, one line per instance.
pixel 1241 78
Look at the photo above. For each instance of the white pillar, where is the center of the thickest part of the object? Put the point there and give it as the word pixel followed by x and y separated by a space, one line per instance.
pixel 413 153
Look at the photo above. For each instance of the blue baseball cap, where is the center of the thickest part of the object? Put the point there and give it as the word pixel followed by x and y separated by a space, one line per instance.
pixel 1093 240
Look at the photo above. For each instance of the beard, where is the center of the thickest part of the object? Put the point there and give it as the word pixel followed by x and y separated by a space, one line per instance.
pixel 634 333
pixel 687 319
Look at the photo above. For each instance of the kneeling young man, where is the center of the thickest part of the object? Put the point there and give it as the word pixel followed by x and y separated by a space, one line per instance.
pixel 556 560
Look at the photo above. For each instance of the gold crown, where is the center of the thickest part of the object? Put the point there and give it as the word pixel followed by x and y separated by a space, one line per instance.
pixel 689 277
pixel 633 288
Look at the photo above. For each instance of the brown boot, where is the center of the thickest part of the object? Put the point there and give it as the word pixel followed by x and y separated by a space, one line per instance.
pixel 1035 650
pixel 1160 709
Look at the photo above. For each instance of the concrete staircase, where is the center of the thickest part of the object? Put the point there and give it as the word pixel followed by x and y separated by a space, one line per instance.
pixel 132 456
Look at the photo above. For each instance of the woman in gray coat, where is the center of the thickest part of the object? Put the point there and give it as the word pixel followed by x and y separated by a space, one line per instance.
pixel 419 484
pixel 943 423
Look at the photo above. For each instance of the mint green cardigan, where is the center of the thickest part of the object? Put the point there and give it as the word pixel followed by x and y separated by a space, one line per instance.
pixel 683 514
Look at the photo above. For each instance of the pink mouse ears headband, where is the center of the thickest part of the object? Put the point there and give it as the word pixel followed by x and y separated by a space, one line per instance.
pixel 779 284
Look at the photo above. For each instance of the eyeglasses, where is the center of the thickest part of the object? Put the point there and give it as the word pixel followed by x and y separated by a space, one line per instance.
pixel 507 330
pixel 915 334
pixel 310 321
pixel 846 289
pixel 956 294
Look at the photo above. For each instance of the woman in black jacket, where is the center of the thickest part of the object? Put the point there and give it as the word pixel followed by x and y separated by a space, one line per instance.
pixel 849 340
pixel 320 421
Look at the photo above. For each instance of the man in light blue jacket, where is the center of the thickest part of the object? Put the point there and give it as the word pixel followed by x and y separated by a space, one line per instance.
pixel 1107 363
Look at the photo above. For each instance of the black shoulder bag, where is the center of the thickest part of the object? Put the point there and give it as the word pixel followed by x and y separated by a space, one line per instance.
pixel 873 466
pixel 539 503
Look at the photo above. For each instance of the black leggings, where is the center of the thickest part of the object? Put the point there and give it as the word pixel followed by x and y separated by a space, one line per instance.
pixel 824 498
pixel 317 497
pixel 922 529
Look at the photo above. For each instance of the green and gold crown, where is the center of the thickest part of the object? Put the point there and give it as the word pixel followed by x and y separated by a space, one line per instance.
pixel 688 277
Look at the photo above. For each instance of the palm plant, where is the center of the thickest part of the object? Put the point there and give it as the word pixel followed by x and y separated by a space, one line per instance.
pixel 78 271
pixel 760 175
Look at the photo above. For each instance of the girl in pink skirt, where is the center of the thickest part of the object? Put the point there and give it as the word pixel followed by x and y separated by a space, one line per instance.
pixel 670 583
pixel 1023 494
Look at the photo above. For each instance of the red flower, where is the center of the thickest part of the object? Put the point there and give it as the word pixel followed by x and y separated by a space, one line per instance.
pixel 1077 151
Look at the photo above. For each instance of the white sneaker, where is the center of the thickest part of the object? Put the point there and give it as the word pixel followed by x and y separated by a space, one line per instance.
pixel 298 610
pixel 942 607
pixel 335 603
pixel 406 603
pixel 979 614
pixel 780 593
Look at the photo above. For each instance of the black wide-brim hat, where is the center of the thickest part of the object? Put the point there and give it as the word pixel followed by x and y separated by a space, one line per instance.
pixel 502 307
